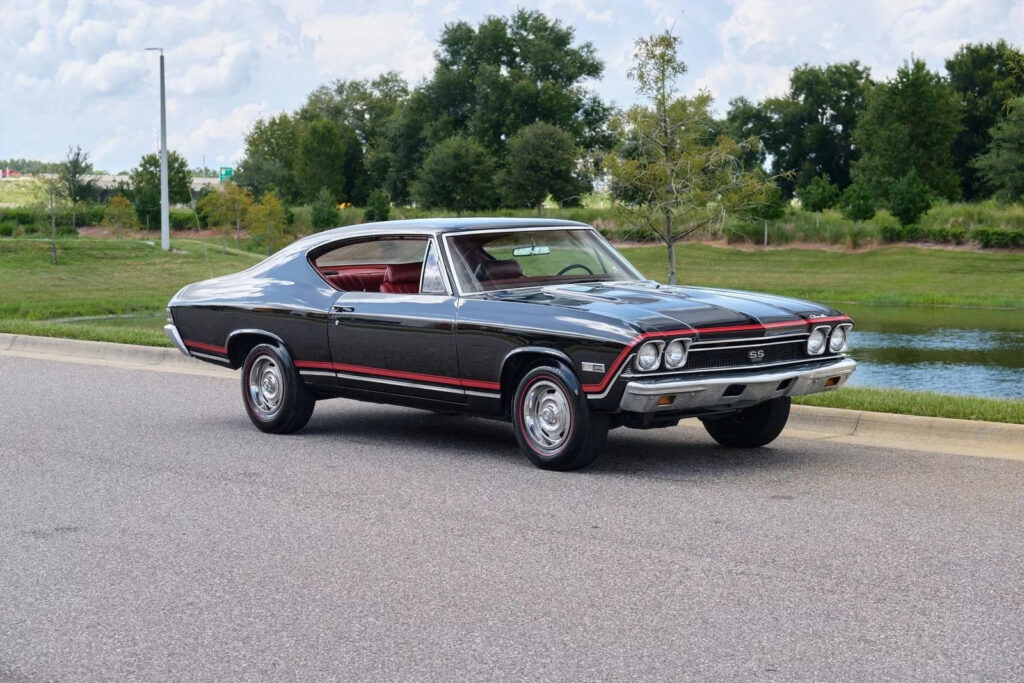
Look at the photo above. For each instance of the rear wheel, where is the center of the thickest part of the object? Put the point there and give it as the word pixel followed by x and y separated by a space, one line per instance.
pixel 553 423
pixel 751 427
pixel 273 392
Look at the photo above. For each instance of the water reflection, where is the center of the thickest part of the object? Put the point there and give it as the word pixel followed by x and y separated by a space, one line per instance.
pixel 956 351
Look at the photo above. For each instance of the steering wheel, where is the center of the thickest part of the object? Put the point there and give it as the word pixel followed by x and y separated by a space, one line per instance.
pixel 569 267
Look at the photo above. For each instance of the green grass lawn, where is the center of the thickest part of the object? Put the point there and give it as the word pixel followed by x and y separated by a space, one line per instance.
pixel 97 277
pixel 22 191
pixel 892 275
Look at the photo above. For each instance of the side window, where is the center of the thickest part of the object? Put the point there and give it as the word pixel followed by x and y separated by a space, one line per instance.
pixel 432 279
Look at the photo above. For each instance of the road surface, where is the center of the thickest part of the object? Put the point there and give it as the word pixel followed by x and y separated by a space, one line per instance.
pixel 150 532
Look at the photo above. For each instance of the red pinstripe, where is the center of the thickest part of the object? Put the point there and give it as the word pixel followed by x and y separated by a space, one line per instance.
pixel 206 347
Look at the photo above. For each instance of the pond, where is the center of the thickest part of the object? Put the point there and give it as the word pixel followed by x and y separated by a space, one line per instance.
pixel 977 352
pixel 972 351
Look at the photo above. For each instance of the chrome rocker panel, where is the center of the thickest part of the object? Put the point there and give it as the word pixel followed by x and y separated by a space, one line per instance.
pixel 709 393
pixel 172 333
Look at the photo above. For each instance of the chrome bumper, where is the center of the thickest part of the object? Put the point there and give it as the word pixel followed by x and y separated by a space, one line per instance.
pixel 733 390
pixel 172 333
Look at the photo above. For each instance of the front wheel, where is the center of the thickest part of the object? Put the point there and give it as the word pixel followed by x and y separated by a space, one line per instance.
pixel 750 427
pixel 273 392
pixel 553 423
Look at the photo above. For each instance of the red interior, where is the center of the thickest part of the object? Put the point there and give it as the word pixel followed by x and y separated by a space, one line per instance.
pixel 404 278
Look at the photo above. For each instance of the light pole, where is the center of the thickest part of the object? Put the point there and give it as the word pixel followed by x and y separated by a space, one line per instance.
pixel 165 206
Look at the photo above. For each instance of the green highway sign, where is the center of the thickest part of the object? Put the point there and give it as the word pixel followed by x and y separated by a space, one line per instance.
pixel 225 173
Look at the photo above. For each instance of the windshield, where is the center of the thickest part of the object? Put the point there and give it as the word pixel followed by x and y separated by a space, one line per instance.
pixel 529 258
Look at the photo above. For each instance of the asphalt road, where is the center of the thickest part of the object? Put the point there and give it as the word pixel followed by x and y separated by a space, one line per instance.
pixel 150 532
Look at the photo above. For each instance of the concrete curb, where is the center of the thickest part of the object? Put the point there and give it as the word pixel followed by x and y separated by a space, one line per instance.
pixel 856 427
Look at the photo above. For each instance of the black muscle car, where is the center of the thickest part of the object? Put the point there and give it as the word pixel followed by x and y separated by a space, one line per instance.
pixel 540 322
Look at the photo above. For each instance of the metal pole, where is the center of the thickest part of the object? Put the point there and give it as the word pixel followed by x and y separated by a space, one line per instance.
pixel 165 207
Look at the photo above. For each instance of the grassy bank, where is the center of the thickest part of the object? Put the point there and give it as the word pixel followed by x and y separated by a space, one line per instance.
pixel 923 403
pixel 891 275
pixel 97 277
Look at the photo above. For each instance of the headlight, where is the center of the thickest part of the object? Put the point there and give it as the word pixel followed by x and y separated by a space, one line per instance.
pixel 840 339
pixel 675 354
pixel 648 356
pixel 816 342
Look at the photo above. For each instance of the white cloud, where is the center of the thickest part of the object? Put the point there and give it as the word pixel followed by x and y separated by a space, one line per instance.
pixel 231 71
pixel 361 46
pixel 113 73
pixel 215 132
pixel 92 36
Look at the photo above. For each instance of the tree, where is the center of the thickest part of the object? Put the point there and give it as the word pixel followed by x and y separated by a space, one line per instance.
pixel 984 78
pixel 231 205
pixel 120 214
pixel 378 206
pixel 1001 167
pixel 330 157
pixel 458 174
pixel 910 123
pixel 76 184
pixel 324 211
pixel 819 194
pixel 54 189
pixel 858 202
pixel 909 198
pixel 269 215
pixel 507 73
pixel 365 106
pixel 145 179
pixel 542 159
pixel 271 150
pixel 672 176
pixel 809 131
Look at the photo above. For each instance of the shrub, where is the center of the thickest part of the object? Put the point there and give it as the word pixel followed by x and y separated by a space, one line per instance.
pixel 938 235
pixel 32 228
pixel 913 233
pixel 957 235
pixel 857 235
pixel 181 219
pixel 7 228
pixel 819 194
pixel 994 238
pixel 909 198
pixel 379 206
pixel 324 211
pixel 892 233
pixel 858 203
pixel 22 215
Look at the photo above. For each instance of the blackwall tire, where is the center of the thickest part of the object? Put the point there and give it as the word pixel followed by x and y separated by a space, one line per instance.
pixel 552 421
pixel 274 394
pixel 751 427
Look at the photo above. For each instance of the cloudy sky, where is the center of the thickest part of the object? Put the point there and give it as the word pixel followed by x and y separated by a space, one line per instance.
pixel 75 72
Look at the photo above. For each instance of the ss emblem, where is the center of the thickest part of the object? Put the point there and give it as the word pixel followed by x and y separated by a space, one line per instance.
pixel 756 356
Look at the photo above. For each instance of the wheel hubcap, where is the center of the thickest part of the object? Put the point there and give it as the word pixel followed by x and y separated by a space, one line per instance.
pixel 265 386
pixel 547 416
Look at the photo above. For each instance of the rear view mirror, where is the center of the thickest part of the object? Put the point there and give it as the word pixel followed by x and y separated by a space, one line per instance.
pixel 531 251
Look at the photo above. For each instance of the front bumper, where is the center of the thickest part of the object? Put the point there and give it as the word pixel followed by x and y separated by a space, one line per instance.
pixel 734 390
pixel 172 333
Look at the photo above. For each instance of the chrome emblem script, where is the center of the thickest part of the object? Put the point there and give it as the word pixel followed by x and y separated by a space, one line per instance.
pixel 756 356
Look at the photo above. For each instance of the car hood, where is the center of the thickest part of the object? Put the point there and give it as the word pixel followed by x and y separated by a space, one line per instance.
pixel 650 307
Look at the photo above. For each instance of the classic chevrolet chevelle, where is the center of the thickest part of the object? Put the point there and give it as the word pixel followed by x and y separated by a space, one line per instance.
pixel 540 322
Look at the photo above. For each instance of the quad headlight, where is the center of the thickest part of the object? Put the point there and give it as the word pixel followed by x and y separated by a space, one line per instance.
pixel 817 341
pixel 648 356
pixel 839 340
pixel 675 354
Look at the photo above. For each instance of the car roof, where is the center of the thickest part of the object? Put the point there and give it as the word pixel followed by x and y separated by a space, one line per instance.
pixel 432 226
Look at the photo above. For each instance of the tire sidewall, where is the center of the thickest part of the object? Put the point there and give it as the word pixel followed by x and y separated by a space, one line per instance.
pixel 288 386
pixel 567 382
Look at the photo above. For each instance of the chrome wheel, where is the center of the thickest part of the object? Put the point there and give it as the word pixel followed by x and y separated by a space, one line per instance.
pixel 266 386
pixel 547 416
